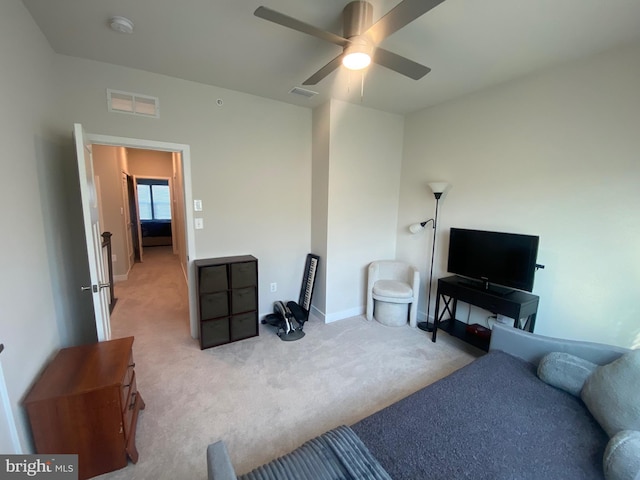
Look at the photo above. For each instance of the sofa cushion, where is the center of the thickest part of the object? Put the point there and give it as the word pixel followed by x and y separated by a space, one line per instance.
pixel 612 394
pixel 565 371
pixel 335 455
pixel 622 456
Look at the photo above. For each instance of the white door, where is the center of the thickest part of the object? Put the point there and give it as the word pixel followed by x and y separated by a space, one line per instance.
pixel 139 222
pixel 99 287
pixel 9 443
pixel 126 214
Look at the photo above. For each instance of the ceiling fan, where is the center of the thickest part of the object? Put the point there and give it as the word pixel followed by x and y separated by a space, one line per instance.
pixel 361 36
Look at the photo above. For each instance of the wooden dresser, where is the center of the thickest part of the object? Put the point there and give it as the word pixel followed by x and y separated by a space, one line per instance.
pixel 86 403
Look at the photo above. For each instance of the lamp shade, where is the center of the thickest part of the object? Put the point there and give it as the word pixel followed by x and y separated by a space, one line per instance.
pixel 438 187
pixel 416 228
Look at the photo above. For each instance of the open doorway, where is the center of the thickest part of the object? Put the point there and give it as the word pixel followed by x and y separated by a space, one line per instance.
pixel 141 201
pixel 119 175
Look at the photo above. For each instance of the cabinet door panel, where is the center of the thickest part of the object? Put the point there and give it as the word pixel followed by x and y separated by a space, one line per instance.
pixel 243 300
pixel 214 305
pixel 243 274
pixel 214 332
pixel 244 326
pixel 213 279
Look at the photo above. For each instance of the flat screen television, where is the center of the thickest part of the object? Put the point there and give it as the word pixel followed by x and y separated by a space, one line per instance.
pixel 494 258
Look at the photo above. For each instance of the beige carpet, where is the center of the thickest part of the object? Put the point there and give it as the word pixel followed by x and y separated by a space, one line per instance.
pixel 262 396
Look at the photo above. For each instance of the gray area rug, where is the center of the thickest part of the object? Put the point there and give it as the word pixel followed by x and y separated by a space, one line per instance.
pixel 493 419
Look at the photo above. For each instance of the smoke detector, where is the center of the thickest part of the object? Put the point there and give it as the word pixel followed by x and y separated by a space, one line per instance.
pixel 121 24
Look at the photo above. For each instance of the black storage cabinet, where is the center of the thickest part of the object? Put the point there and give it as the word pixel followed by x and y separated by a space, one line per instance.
pixel 227 299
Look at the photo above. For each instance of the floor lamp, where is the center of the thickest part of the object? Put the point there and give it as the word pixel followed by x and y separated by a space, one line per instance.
pixel 438 189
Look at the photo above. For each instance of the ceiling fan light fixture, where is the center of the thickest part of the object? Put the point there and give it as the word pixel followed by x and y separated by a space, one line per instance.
pixel 357 56
pixel 356 60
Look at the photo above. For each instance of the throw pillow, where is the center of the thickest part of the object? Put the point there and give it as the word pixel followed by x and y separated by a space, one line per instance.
pixel 565 371
pixel 622 456
pixel 612 394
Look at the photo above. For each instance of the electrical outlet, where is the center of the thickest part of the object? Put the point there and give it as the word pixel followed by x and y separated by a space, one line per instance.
pixel 199 223
pixel 274 287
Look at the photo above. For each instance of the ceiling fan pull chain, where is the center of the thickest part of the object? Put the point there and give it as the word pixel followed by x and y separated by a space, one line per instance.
pixel 362 87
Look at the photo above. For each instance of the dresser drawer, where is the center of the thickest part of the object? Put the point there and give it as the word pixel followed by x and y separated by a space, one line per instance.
pixel 129 407
pixel 126 381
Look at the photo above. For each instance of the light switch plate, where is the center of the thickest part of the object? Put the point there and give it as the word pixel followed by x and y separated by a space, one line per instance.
pixel 197 205
pixel 199 223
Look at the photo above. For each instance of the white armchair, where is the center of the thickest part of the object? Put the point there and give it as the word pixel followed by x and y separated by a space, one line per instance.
pixel 393 283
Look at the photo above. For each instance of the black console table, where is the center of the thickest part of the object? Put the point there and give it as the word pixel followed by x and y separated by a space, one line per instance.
pixel 510 303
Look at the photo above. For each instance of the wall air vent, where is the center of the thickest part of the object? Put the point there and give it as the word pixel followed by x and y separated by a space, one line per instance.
pixel 303 91
pixel 133 103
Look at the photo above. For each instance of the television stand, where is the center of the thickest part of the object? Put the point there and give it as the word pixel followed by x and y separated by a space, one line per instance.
pixel 488 287
pixel 513 304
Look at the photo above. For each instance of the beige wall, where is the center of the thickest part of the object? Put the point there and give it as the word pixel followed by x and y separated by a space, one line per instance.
pixel 107 166
pixel 365 149
pixel 357 154
pixel 150 163
pixel 555 155
pixel 42 306
pixel 250 160
pixel 320 203
pixel 179 244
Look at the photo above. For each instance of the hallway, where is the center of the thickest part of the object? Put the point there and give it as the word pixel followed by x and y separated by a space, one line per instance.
pixel 152 303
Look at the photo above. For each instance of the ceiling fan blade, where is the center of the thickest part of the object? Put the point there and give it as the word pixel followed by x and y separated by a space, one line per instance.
pixel 399 16
pixel 290 22
pixel 400 64
pixel 324 71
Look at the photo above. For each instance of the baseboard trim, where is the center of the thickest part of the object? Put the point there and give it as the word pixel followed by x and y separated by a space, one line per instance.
pixel 316 314
pixel 336 316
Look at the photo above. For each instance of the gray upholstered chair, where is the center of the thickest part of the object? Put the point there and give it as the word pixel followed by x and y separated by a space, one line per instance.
pixel 392 289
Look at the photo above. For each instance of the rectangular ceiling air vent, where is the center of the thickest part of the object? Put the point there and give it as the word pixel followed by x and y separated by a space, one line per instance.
pixel 133 103
pixel 303 91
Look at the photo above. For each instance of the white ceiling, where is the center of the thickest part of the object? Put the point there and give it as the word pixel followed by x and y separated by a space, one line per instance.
pixel 469 44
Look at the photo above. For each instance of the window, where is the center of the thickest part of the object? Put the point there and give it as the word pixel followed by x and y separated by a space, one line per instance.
pixel 154 200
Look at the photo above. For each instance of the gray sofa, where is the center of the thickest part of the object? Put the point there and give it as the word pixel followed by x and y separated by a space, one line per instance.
pixel 493 419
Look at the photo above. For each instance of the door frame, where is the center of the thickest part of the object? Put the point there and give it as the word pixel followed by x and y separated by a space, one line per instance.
pixel 136 204
pixel 126 214
pixel 185 151
pixel 9 430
